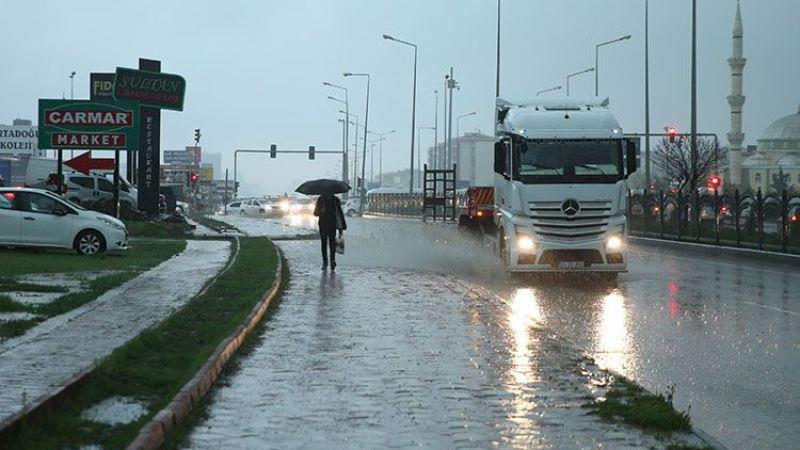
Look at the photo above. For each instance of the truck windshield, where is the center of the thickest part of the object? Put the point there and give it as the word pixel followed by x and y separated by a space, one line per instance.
pixel 568 161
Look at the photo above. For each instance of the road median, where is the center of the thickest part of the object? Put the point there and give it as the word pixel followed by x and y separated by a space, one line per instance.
pixel 150 370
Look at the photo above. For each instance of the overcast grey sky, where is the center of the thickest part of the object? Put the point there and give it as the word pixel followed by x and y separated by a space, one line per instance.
pixel 254 69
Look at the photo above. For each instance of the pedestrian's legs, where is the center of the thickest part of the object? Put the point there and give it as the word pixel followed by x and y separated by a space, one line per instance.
pixel 332 244
pixel 324 241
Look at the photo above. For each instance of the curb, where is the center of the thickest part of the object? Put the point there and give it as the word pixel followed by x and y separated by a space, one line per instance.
pixel 55 396
pixel 716 250
pixel 152 435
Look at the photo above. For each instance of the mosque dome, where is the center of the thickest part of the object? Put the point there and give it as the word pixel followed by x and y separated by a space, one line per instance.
pixel 784 129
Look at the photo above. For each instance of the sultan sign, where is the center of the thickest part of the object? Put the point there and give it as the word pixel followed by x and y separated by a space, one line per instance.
pixel 84 124
pixel 150 88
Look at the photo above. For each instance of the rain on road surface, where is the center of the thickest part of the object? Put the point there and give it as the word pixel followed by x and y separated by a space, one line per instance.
pixel 724 332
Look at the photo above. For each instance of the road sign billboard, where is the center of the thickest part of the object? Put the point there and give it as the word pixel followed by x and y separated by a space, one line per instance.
pixel 85 124
pixel 150 88
pixel 101 86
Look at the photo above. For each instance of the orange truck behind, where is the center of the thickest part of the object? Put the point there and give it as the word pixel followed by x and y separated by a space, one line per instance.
pixel 479 210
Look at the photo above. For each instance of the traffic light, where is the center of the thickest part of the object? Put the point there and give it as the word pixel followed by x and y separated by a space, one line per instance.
pixel 273 151
pixel 672 132
pixel 311 150
pixel 194 177
pixel 197 135
pixel 714 182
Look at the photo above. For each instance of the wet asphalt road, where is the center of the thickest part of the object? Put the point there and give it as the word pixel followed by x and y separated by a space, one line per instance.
pixel 725 332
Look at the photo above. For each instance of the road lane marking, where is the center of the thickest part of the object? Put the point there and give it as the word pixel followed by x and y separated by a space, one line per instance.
pixel 719 263
pixel 773 308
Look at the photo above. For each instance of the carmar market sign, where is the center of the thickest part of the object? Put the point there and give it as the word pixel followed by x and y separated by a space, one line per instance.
pixel 153 89
pixel 84 124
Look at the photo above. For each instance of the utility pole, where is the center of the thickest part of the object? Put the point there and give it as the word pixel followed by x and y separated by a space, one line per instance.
pixel 647 93
pixel 435 132
pixel 497 75
pixel 451 84
pixel 693 143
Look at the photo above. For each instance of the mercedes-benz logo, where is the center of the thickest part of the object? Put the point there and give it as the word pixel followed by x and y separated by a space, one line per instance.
pixel 570 207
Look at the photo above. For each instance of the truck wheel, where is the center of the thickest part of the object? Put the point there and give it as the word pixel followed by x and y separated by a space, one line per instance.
pixel 609 278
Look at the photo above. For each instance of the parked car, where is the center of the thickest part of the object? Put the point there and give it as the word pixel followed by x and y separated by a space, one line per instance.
pixel 88 189
pixel 40 218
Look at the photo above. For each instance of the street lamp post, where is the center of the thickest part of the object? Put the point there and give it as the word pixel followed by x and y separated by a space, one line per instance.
pixel 458 135
pixel 693 141
pixel 419 151
pixel 413 106
pixel 647 93
pixel 347 127
pixel 72 97
pixel 344 139
pixel 597 61
pixel 591 69
pixel 366 125
pixel 355 144
pixel 554 88
pixel 435 131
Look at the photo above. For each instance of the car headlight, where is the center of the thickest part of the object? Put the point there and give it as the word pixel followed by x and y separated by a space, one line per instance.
pixel 111 224
pixel 525 243
pixel 267 207
pixel 614 243
pixel 285 207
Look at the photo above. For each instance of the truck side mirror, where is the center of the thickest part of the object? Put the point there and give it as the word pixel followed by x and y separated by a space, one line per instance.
pixel 631 153
pixel 499 157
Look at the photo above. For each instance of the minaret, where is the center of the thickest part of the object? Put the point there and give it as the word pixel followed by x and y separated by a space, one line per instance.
pixel 736 101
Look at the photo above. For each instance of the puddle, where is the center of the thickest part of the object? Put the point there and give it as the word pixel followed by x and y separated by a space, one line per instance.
pixel 12 316
pixel 34 298
pixel 116 411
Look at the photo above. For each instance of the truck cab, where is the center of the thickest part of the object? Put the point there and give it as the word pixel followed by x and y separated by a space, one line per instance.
pixel 560 186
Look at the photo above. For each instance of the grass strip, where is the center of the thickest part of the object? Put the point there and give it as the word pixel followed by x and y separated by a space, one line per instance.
pixel 155 365
pixel 214 224
pixel 158 230
pixel 627 402
pixel 143 255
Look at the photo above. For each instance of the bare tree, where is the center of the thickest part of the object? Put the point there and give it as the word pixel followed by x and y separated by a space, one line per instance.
pixel 674 160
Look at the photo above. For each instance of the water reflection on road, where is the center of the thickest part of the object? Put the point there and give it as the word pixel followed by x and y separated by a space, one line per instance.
pixel 726 333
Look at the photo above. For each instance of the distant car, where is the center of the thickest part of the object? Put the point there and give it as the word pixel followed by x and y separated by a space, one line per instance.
pixel 254 207
pixel 234 207
pixel 351 206
pixel 40 218
pixel 303 206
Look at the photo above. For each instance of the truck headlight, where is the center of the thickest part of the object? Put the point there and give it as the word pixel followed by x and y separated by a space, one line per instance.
pixel 614 243
pixel 525 243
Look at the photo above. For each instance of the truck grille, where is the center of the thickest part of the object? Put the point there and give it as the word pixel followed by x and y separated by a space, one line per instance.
pixel 590 221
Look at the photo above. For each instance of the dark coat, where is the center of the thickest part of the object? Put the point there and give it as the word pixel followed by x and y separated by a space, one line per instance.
pixel 329 211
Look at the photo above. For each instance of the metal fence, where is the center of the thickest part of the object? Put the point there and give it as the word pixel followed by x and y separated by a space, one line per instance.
pixel 403 204
pixel 748 219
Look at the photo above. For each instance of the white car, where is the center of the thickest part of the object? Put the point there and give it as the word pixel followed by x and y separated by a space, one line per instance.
pixel 88 189
pixel 254 207
pixel 40 218
pixel 352 206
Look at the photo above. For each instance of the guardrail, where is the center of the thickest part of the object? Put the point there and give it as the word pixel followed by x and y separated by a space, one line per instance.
pixel 403 204
pixel 739 219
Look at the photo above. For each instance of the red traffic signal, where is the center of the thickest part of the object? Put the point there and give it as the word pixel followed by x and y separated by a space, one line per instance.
pixel 714 182
pixel 672 132
pixel 194 177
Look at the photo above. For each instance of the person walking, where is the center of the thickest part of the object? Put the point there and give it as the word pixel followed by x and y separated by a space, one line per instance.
pixel 331 220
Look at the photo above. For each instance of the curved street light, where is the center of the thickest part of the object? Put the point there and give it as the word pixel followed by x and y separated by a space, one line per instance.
pixel 597 61
pixel 366 125
pixel 591 69
pixel 554 88
pixel 345 175
pixel 413 105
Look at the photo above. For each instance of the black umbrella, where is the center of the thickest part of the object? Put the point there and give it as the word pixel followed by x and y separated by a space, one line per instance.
pixel 323 186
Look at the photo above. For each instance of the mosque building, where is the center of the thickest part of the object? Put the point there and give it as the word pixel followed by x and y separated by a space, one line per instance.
pixel 776 160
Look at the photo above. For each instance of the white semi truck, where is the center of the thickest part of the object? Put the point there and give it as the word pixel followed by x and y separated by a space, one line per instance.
pixel 560 186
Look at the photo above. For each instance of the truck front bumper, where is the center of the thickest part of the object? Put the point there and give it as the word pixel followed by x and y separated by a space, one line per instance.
pixel 557 256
